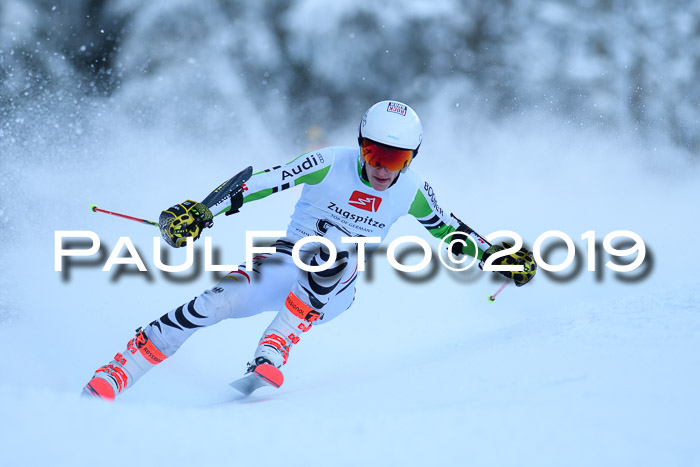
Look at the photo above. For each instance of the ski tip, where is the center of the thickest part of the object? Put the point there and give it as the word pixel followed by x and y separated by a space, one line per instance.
pixel 98 388
pixel 263 375
pixel 270 374
pixel 93 207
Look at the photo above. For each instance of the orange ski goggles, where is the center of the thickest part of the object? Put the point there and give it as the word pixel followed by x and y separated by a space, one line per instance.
pixel 377 154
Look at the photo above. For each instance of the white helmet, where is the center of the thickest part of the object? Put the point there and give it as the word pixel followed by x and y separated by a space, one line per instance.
pixel 392 123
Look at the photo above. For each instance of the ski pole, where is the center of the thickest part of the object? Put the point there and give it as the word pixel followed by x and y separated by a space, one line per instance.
pixel 469 231
pixel 94 208
pixel 492 298
pixel 231 187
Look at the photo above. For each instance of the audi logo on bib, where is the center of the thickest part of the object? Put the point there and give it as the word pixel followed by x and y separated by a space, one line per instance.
pixel 364 201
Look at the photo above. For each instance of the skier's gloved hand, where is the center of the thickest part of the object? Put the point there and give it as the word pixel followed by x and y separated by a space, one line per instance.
pixel 521 257
pixel 184 220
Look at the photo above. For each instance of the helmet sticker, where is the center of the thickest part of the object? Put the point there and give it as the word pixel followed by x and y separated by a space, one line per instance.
pixel 379 125
pixel 397 107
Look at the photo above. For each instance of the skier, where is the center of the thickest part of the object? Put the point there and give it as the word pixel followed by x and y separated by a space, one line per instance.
pixel 358 192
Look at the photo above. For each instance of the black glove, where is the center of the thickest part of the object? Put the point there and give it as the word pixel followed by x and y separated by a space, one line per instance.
pixel 184 220
pixel 521 257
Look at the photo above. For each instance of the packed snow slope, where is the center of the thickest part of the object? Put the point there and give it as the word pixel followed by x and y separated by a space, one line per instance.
pixel 576 368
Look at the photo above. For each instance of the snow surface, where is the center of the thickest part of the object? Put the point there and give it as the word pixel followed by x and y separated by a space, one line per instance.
pixel 591 370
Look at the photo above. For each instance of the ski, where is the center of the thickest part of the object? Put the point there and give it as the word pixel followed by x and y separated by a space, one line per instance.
pixel 263 375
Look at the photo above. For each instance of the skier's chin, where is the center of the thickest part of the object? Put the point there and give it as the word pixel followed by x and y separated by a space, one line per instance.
pixel 381 184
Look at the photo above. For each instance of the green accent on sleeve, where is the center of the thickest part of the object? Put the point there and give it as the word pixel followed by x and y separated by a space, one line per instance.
pixel 472 250
pixel 442 231
pixel 257 195
pixel 302 155
pixel 314 178
pixel 420 207
pixel 469 249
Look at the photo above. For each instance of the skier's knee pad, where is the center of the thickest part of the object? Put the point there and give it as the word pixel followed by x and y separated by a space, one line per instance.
pixel 171 330
pixel 225 300
pixel 212 305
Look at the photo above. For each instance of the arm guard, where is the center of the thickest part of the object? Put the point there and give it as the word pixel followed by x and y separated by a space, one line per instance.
pixel 466 246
